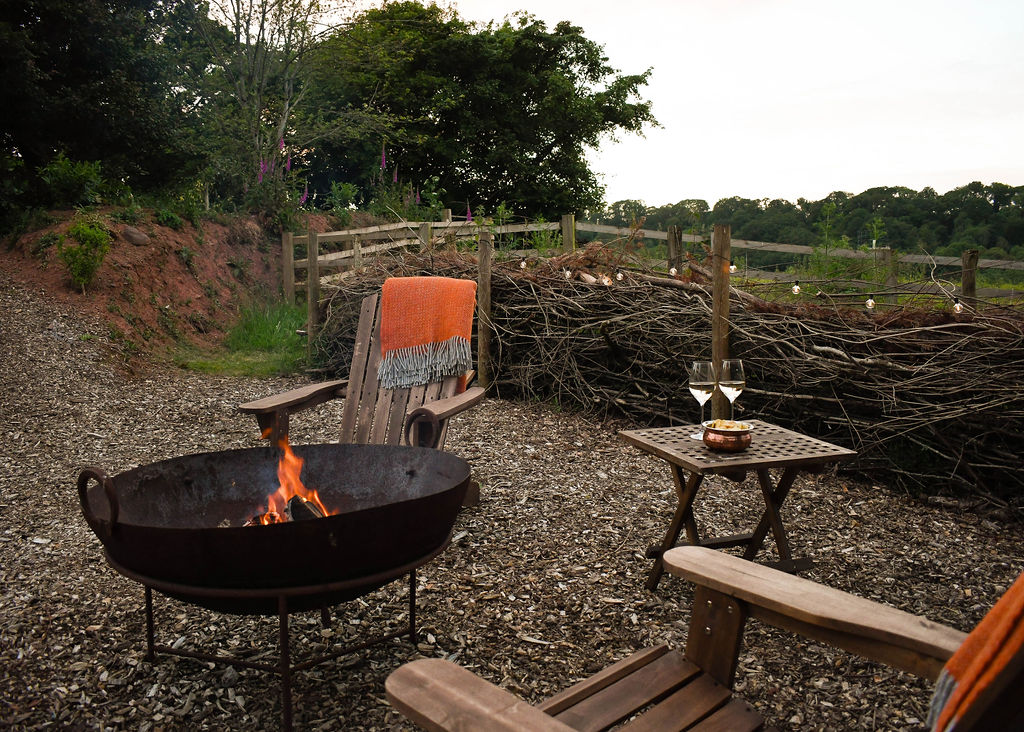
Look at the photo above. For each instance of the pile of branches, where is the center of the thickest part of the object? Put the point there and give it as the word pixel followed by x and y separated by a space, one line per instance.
pixel 931 401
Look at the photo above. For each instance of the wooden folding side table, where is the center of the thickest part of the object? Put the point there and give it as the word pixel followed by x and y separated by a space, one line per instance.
pixel 771 447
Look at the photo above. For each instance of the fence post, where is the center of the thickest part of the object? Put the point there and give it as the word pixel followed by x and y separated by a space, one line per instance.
pixel 968 285
pixel 675 248
pixel 569 232
pixel 483 309
pixel 288 266
pixel 721 244
pixel 890 264
pixel 426 235
pixel 446 215
pixel 312 291
pixel 357 253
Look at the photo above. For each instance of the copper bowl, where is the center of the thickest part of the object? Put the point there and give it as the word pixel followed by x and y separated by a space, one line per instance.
pixel 726 440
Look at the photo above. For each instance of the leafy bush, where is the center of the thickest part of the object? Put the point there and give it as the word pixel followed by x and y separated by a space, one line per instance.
pixel 41 247
pixel 71 183
pixel 166 217
pixel 84 260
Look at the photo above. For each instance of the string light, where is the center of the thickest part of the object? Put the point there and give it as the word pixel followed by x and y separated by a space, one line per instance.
pixel 796 287
pixel 673 271
pixel 606 280
pixel 567 274
pixel 957 306
pixel 619 276
pixel 732 267
pixel 522 264
pixel 870 304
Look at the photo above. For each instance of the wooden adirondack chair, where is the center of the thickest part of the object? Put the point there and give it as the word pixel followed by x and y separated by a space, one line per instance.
pixel 691 690
pixel 372 415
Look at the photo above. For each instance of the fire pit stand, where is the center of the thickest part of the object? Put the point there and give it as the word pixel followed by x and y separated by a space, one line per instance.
pixel 287 600
pixel 179 527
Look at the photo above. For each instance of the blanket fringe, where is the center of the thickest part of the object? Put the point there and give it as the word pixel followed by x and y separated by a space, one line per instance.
pixel 415 365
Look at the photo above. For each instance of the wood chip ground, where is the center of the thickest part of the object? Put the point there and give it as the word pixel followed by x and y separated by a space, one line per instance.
pixel 543 584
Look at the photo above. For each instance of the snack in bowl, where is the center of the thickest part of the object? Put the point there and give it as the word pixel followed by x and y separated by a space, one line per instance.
pixel 726 435
pixel 728 425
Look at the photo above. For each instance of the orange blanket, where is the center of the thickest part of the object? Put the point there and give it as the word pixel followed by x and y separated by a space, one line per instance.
pixel 425 328
pixel 987 649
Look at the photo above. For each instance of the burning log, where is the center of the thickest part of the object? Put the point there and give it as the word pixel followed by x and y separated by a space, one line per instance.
pixel 299 509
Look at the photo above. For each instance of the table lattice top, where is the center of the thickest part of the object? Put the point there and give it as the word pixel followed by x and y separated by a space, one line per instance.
pixel 770 447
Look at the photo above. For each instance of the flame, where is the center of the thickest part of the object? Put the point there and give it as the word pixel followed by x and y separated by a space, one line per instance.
pixel 289 470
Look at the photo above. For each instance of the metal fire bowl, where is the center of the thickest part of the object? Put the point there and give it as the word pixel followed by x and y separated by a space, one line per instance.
pixel 176 525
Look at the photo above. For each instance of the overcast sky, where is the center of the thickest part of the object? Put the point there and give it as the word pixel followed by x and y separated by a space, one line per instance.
pixel 799 98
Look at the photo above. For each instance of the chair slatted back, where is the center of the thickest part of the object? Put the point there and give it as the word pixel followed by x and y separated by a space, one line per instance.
pixel 372 415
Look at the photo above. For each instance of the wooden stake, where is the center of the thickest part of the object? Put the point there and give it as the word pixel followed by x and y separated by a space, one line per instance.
pixel 483 308
pixel 721 244
pixel 288 267
pixel 312 291
pixel 969 261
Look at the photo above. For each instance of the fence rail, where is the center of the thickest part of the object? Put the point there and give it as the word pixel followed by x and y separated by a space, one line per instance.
pixel 375 240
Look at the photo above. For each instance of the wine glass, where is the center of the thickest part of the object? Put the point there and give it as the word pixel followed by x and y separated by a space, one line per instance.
pixel 702 385
pixel 731 382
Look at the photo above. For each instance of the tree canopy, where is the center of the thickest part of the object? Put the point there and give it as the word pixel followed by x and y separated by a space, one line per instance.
pixel 989 218
pixel 255 98
pixel 502 113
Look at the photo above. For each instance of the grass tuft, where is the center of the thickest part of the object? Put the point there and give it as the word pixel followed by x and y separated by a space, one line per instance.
pixel 262 343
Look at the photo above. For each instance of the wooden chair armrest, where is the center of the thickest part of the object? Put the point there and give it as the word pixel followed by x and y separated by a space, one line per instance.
pixel 440 695
pixel 871 629
pixel 298 399
pixel 428 418
pixel 442 409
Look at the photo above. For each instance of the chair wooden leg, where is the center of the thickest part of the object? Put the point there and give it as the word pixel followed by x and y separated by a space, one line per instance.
pixel 716 633
pixel 472 495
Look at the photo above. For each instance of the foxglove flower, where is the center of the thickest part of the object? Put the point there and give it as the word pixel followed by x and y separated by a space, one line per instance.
pixel 305 194
pixel 469 214
pixel 288 163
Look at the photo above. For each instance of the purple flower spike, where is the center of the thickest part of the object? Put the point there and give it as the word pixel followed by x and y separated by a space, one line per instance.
pixel 288 163
pixel 469 214
pixel 395 178
pixel 305 195
pixel 280 144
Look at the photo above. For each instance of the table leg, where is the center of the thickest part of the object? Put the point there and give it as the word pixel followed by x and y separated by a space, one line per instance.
pixel 773 499
pixel 686 492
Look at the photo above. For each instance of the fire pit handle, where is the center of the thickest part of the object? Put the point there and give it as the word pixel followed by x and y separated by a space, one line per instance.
pixel 101 477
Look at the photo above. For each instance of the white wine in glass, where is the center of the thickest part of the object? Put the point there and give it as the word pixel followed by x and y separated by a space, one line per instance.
pixel 731 382
pixel 702 386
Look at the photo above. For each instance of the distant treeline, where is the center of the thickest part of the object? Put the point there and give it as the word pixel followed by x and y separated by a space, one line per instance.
pixel 989 218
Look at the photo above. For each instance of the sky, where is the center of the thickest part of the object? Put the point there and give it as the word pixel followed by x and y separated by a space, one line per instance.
pixel 799 98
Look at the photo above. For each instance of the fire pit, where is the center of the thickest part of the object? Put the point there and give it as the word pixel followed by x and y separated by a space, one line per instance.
pixel 179 527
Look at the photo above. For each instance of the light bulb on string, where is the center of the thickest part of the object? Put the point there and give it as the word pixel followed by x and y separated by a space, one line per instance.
pixel 673 271
pixel 957 306
pixel 870 304
pixel 619 276
pixel 796 287
pixel 567 274
pixel 522 264
pixel 732 267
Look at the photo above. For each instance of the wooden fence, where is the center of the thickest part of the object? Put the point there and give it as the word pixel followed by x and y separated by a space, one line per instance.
pixel 350 246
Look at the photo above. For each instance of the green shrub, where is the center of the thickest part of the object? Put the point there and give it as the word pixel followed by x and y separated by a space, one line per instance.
pixel 84 260
pixel 41 247
pixel 166 217
pixel 71 183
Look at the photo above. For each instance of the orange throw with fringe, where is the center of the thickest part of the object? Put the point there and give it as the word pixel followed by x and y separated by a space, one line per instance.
pixel 426 324
pixel 986 650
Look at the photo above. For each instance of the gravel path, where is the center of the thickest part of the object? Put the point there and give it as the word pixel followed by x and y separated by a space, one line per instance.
pixel 543 585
